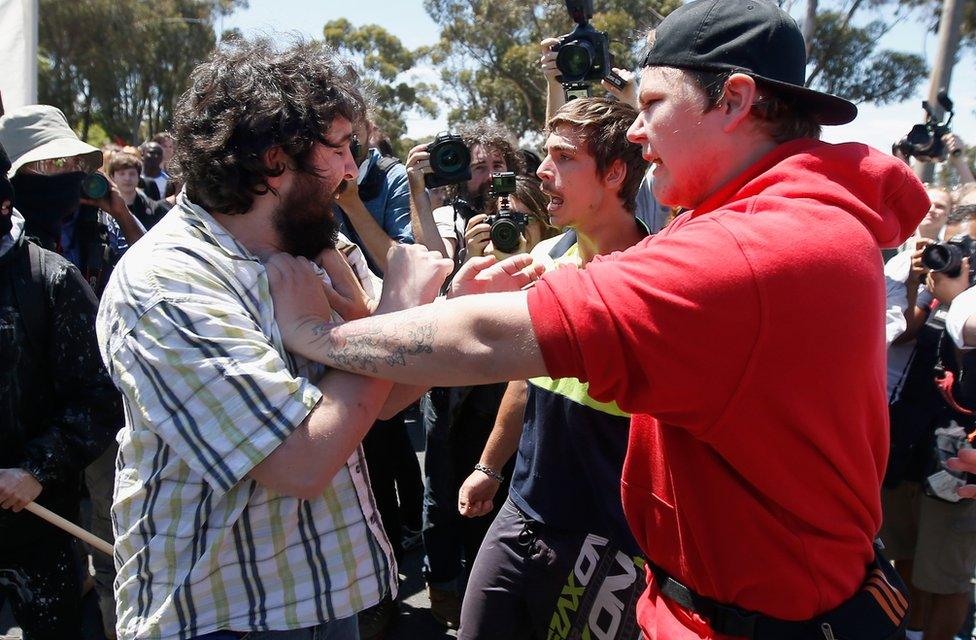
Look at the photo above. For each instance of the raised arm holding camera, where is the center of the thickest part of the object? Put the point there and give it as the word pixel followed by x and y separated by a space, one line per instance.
pixel 574 60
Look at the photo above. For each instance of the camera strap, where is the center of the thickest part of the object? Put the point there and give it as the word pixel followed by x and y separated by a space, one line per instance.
pixel 30 291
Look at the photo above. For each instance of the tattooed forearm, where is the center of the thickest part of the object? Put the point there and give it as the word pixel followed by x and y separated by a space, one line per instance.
pixel 373 342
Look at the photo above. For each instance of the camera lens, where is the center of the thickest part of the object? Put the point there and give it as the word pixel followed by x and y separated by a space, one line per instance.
pixel 943 258
pixel 575 59
pixel 450 161
pixel 450 158
pixel 95 186
pixel 505 235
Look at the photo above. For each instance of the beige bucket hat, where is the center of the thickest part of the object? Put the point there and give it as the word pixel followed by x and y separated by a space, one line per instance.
pixel 41 132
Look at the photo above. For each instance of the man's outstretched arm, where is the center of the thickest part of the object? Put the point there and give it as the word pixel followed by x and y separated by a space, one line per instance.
pixel 467 341
pixel 471 339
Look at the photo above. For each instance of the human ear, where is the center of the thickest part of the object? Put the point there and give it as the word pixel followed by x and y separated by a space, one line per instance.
pixel 737 100
pixel 615 174
pixel 278 162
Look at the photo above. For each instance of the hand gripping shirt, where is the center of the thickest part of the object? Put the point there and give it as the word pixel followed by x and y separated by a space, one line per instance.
pixel 187 332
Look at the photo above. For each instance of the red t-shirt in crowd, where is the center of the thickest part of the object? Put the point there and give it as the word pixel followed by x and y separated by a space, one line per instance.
pixel 747 338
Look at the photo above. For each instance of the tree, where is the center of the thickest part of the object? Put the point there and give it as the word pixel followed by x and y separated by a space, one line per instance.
pixel 932 12
pixel 488 52
pixel 843 59
pixel 384 63
pixel 123 65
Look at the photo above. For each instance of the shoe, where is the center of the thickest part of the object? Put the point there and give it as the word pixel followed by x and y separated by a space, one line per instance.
pixel 445 606
pixel 376 621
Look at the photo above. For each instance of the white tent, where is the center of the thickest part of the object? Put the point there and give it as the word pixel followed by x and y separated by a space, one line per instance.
pixel 18 52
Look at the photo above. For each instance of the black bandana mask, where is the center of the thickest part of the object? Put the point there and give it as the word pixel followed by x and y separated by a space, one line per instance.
pixel 47 200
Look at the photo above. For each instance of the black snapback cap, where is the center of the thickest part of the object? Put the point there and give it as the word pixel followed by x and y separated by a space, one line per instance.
pixel 754 37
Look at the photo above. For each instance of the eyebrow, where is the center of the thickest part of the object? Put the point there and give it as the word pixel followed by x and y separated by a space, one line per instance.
pixel 647 95
pixel 560 146
pixel 342 141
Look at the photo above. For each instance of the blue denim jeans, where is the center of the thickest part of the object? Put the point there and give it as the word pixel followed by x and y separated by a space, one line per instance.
pixel 343 629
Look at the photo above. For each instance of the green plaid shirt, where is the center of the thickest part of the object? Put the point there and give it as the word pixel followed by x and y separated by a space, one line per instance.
pixel 187 332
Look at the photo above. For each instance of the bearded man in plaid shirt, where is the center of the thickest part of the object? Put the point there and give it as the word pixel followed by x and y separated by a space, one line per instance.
pixel 242 504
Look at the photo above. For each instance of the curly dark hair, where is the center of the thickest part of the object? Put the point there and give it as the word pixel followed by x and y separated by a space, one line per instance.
pixel 493 137
pixel 249 97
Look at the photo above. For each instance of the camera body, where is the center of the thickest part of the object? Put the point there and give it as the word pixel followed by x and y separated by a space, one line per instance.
pixel 507 226
pixel 946 257
pixel 924 141
pixel 583 55
pixel 450 161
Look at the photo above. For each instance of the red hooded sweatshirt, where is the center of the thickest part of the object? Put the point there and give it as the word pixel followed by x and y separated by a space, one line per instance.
pixel 747 338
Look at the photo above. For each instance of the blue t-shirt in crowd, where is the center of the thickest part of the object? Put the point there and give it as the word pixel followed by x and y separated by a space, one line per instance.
pixel 389 205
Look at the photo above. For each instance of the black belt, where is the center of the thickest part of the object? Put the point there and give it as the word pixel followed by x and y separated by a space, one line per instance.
pixel 726 619
pixel 878 611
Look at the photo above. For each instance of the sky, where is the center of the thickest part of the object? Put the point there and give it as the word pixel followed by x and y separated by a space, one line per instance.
pixel 877 126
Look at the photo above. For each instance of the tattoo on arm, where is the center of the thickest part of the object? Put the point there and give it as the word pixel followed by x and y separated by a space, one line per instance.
pixel 374 342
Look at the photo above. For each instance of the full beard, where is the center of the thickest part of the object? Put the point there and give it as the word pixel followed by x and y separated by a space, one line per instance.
pixel 304 220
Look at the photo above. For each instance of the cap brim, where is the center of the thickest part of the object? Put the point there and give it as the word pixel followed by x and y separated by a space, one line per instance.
pixel 61 148
pixel 828 109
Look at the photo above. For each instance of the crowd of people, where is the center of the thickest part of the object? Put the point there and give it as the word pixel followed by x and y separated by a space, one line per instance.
pixel 658 411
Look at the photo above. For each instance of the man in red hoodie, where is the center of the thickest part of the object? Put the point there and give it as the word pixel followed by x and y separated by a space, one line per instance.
pixel 746 339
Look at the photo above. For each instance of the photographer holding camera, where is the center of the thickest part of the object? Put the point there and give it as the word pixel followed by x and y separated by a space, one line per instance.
pixel 464 163
pixel 68 207
pixel 924 535
pixel 513 226
pixel 591 173
pixel 457 420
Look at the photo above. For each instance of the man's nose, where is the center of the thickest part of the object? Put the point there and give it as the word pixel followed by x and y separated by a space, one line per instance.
pixel 636 133
pixel 545 168
pixel 351 168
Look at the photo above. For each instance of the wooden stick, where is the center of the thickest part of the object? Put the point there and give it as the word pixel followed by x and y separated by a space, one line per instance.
pixel 70 527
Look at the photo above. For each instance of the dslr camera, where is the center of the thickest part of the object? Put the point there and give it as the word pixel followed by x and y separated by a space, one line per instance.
pixel 450 161
pixel 507 226
pixel 946 257
pixel 924 141
pixel 584 54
